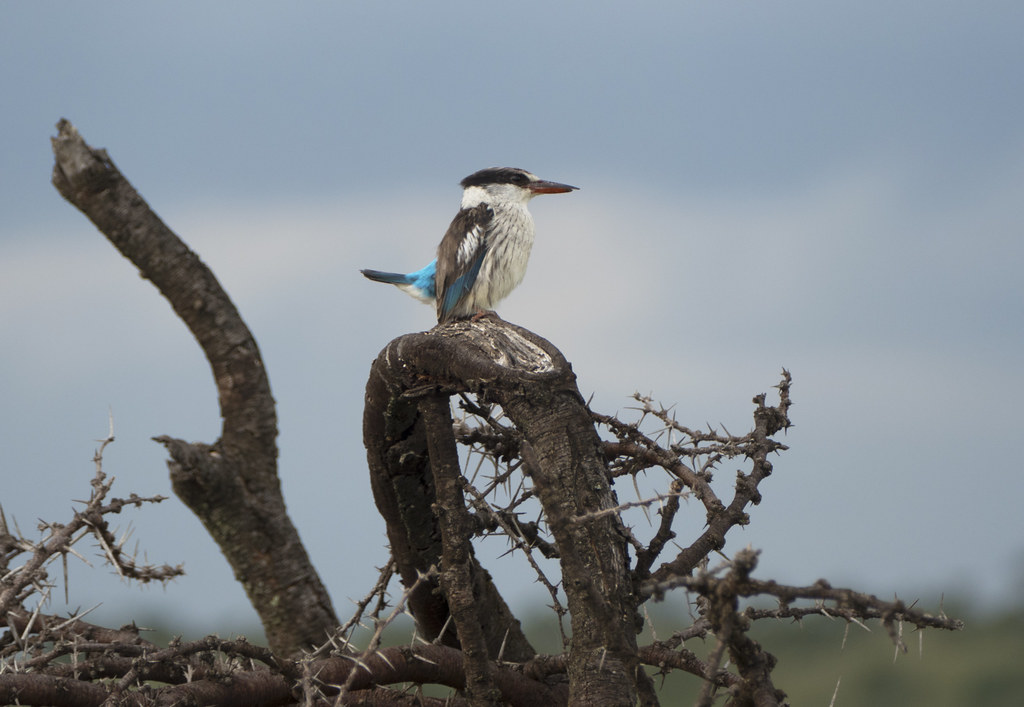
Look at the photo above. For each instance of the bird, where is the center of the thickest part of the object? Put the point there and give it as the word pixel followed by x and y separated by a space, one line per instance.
pixel 483 254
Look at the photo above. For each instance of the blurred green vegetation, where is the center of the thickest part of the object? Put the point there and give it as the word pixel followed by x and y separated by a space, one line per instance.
pixel 981 666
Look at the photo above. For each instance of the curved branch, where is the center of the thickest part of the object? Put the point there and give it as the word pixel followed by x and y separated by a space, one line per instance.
pixel 402 480
pixel 534 384
pixel 439 665
pixel 231 485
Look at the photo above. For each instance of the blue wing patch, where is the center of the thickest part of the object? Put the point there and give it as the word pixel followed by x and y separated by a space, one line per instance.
pixel 462 284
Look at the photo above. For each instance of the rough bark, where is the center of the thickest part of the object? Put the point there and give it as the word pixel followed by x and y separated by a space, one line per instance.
pixel 456 571
pixel 402 480
pixel 536 387
pixel 232 484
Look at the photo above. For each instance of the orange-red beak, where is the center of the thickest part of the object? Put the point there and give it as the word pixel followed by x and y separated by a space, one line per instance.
pixel 543 187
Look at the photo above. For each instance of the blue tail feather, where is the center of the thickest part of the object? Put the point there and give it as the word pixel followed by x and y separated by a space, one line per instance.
pixel 419 284
pixel 392 278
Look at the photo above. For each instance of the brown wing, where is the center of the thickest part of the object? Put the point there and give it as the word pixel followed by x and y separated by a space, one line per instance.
pixel 459 258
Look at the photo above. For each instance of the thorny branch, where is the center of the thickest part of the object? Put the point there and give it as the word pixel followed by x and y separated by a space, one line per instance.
pixel 59 539
pixel 40 651
pixel 690 460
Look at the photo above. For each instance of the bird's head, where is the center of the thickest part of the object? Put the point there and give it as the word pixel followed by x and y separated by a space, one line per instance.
pixel 508 184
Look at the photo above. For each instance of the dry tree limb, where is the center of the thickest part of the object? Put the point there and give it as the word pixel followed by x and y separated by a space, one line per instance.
pixel 456 571
pixel 635 450
pixel 440 665
pixel 403 484
pixel 534 385
pixel 232 485
pixel 18 584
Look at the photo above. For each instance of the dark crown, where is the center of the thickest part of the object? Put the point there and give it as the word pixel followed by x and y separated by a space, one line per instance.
pixel 497 175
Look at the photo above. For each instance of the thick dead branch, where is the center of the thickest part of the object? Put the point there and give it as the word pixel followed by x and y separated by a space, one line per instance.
pixel 403 486
pixel 534 384
pixel 457 551
pixel 232 485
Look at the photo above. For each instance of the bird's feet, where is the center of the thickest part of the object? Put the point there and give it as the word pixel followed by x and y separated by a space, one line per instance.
pixel 484 313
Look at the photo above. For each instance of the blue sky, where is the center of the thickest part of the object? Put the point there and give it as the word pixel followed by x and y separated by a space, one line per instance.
pixel 834 189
